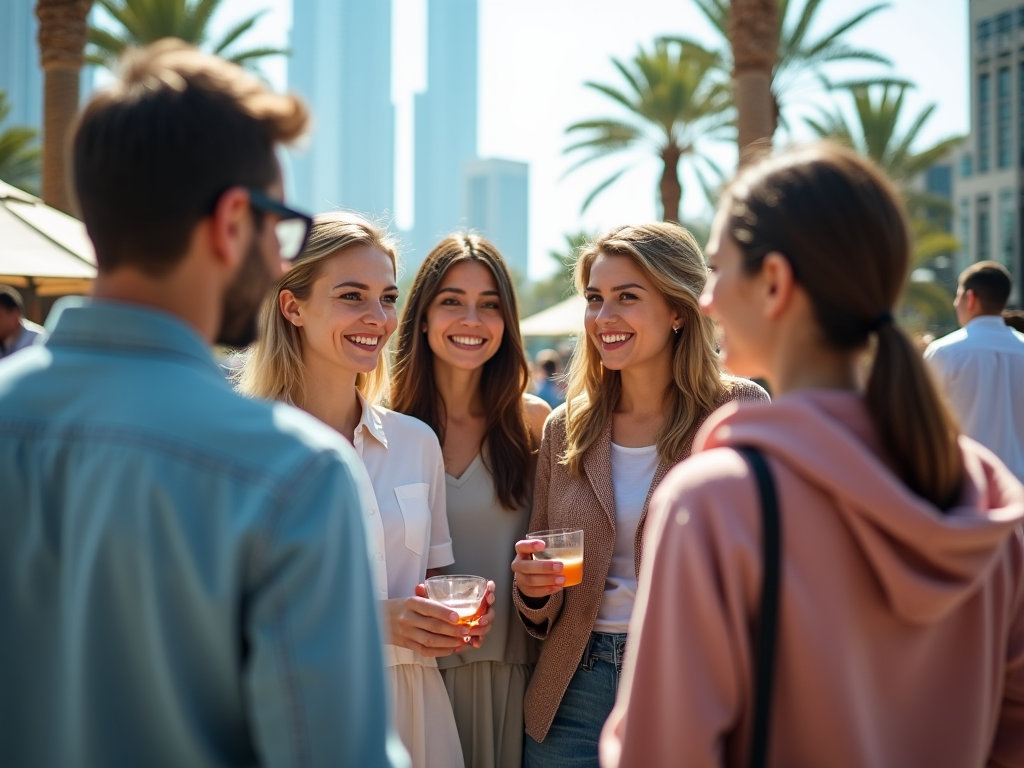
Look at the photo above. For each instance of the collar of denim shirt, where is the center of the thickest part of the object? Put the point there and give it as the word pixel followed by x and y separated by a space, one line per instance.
pixel 79 322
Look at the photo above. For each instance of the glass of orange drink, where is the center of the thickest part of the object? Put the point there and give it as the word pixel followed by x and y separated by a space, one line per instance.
pixel 566 546
pixel 463 594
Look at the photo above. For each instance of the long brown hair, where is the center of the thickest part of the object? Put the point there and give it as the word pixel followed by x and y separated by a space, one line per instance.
pixel 840 223
pixel 273 368
pixel 671 259
pixel 504 379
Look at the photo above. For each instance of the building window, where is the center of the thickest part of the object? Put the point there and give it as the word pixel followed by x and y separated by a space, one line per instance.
pixel 1006 228
pixel 967 167
pixel 984 121
pixel 984 231
pixel 1020 108
pixel 1020 18
pixel 984 33
pixel 1003 112
pixel 964 235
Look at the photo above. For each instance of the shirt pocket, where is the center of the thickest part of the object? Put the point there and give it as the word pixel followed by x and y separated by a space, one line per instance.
pixel 412 499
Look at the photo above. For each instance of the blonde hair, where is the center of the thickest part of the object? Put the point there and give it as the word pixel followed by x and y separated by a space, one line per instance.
pixel 273 367
pixel 670 258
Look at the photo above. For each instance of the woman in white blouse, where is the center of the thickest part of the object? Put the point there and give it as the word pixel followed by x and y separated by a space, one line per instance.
pixel 321 339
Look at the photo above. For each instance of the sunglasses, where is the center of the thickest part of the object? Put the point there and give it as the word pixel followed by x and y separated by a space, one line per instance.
pixel 292 227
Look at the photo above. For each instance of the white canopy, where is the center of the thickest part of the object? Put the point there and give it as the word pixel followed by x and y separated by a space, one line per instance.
pixel 563 319
pixel 41 247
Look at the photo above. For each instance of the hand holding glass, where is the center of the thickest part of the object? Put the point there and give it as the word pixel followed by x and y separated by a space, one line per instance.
pixel 466 595
pixel 566 546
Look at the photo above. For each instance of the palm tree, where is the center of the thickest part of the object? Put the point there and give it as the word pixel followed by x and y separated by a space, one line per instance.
pixel 62 36
pixel 19 159
pixel 878 108
pixel 876 133
pixel 673 104
pixel 141 22
pixel 798 57
pixel 752 38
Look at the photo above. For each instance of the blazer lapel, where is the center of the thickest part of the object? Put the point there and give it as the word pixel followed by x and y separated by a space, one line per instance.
pixel 597 464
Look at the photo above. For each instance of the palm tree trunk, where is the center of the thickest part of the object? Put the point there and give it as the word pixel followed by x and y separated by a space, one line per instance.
pixel 62 35
pixel 669 187
pixel 753 34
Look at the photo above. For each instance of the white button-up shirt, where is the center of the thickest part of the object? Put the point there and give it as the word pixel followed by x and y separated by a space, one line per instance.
pixel 407 521
pixel 981 368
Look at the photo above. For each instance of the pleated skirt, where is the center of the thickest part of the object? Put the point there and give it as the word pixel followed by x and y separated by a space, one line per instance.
pixel 487 699
pixel 423 716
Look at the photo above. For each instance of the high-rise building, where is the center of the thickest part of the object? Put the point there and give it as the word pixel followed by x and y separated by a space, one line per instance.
pixel 446 122
pixel 341 65
pixel 20 74
pixel 495 195
pixel 989 185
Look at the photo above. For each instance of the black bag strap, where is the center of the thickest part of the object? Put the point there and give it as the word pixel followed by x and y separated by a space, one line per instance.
pixel 764 651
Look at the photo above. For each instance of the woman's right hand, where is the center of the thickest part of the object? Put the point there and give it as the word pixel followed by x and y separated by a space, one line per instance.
pixel 424 626
pixel 536 578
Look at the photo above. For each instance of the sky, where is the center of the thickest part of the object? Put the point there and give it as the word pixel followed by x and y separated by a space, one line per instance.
pixel 536 55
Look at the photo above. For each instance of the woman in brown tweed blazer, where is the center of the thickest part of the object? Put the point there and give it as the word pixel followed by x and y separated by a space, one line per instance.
pixel 644 378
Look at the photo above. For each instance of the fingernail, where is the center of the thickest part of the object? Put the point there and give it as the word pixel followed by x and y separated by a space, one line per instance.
pixel 453 617
pixel 560 580
pixel 557 566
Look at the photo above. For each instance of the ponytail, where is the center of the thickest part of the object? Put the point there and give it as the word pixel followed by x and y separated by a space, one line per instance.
pixel 841 225
pixel 916 427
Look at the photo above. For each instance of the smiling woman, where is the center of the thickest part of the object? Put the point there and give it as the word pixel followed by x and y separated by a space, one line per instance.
pixel 460 367
pixel 323 332
pixel 644 377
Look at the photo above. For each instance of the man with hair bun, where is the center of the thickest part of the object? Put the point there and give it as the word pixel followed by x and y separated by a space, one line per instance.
pixel 183 571
pixel 981 366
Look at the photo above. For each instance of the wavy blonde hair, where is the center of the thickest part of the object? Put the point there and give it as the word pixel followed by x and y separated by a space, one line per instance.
pixel 273 368
pixel 670 258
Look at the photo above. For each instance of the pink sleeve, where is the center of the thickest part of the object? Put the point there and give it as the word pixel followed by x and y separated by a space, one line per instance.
pixel 1008 744
pixel 687 668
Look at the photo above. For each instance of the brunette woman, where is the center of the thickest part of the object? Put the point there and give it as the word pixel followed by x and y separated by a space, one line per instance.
pixel 900 636
pixel 643 379
pixel 460 368
pixel 321 342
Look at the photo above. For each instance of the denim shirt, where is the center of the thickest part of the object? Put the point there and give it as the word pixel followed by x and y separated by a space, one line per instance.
pixel 184 571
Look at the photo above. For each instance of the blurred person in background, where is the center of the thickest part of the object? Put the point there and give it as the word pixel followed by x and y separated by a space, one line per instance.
pixel 460 368
pixel 981 366
pixel 1014 318
pixel 643 379
pixel 324 336
pixel 549 389
pixel 900 637
pixel 15 331
pixel 185 579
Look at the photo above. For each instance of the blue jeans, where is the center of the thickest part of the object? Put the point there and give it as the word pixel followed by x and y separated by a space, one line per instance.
pixel 572 740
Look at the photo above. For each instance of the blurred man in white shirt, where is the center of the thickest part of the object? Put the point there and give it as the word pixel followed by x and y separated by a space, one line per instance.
pixel 981 366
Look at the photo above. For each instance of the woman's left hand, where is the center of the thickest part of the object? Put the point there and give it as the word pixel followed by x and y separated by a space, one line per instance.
pixel 476 633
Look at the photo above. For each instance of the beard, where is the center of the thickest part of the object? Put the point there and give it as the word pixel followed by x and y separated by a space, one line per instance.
pixel 242 301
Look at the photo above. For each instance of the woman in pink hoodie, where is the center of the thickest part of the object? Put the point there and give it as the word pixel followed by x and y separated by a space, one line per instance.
pixel 900 636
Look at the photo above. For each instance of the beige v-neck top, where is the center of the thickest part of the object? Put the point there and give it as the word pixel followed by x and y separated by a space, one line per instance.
pixel 484 536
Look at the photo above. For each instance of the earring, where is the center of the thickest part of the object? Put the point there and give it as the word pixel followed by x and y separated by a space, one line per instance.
pixel 676 328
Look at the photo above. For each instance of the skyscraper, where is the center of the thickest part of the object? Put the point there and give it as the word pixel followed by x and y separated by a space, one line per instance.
pixel 990 184
pixel 496 199
pixel 341 65
pixel 446 122
pixel 20 73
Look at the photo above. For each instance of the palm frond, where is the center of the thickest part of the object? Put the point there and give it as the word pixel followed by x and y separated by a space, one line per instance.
pixel 601 188
pixel 236 32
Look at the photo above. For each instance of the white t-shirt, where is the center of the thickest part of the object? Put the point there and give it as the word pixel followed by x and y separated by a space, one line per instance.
pixel 632 473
